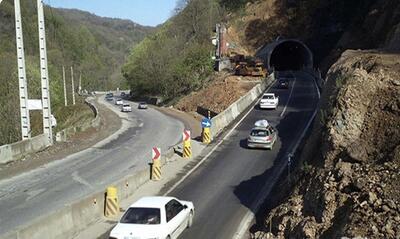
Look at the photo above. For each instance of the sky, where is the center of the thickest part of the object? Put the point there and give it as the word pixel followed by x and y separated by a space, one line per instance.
pixel 144 12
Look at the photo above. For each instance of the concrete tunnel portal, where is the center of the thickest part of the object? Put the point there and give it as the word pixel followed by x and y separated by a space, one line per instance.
pixel 287 54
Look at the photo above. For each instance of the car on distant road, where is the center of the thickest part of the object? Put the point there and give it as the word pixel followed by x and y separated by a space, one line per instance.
pixel 283 83
pixel 269 101
pixel 119 101
pixel 109 96
pixel 154 217
pixel 126 108
pixel 123 94
pixel 262 137
pixel 142 105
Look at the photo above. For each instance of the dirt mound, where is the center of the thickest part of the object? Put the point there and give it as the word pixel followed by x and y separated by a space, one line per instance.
pixel 351 185
pixel 224 90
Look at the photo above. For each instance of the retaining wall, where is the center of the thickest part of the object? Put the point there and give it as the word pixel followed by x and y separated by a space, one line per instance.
pixel 18 150
pixel 227 116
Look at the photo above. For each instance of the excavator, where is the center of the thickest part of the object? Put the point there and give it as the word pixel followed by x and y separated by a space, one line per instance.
pixel 249 67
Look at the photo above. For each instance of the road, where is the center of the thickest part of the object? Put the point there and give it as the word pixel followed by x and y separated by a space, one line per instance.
pixel 225 188
pixel 29 195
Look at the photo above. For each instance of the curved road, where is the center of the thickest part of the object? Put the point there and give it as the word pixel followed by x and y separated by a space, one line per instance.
pixel 29 195
pixel 227 186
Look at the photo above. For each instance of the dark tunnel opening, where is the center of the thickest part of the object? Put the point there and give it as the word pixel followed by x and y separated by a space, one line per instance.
pixel 290 55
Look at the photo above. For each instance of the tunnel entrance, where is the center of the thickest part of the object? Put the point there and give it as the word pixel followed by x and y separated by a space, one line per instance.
pixel 290 55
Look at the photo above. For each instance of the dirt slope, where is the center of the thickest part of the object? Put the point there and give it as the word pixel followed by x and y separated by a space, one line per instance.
pixel 219 94
pixel 350 183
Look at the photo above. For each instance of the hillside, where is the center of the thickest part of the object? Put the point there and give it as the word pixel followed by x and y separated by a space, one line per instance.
pixel 95 46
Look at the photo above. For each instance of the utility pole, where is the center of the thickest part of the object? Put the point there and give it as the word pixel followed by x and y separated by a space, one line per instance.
pixel 47 119
pixel 73 86
pixel 23 91
pixel 65 88
pixel 80 83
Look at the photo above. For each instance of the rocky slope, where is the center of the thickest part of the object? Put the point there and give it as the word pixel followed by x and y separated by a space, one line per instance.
pixel 350 183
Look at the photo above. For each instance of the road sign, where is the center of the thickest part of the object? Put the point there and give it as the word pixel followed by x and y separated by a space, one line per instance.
pixel 156 153
pixel 186 135
pixel 206 123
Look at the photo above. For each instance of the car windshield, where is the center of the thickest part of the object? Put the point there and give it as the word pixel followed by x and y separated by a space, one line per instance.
pixel 268 97
pixel 259 132
pixel 138 215
pixel 125 105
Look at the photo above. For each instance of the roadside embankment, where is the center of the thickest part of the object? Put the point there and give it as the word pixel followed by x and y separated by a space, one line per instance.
pixel 348 181
pixel 65 134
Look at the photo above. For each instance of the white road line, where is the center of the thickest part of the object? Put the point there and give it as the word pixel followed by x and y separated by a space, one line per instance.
pixel 216 146
pixel 267 188
pixel 79 179
pixel 290 95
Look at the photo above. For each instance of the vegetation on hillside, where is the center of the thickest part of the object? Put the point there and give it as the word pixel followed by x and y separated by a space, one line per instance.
pixel 96 48
pixel 176 59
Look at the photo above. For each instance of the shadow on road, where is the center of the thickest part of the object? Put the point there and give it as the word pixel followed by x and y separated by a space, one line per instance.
pixel 289 130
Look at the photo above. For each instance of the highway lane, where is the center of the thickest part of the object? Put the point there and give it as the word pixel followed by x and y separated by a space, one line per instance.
pixel 224 189
pixel 29 195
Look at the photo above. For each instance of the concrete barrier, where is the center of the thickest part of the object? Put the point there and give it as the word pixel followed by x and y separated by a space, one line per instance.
pixel 65 134
pixel 18 150
pixel 227 116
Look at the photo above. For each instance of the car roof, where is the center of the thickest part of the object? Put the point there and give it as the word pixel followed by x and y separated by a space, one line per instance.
pixel 269 94
pixel 152 202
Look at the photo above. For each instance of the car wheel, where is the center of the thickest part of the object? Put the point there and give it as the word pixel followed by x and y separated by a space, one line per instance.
pixel 190 220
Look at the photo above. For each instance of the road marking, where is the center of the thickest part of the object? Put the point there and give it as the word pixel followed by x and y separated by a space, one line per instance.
pixel 34 193
pixel 77 178
pixel 267 188
pixel 290 95
pixel 216 146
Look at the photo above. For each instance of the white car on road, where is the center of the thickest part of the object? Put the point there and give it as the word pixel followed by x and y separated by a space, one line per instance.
pixel 126 108
pixel 154 217
pixel 119 102
pixel 269 101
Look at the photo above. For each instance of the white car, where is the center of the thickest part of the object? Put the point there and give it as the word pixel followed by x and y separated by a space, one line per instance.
pixel 154 217
pixel 119 102
pixel 142 105
pixel 269 101
pixel 126 108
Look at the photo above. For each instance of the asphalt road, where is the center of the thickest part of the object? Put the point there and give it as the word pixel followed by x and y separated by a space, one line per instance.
pixel 225 188
pixel 29 195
